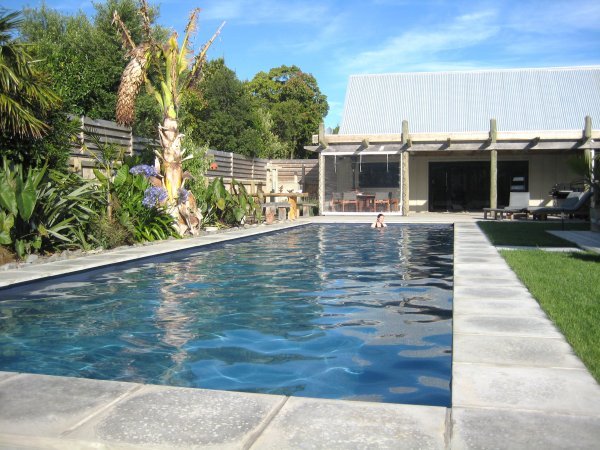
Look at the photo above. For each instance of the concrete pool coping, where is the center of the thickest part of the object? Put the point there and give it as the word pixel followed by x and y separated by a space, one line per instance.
pixel 515 380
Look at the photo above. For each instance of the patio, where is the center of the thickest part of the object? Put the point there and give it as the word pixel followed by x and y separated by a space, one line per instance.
pixel 515 381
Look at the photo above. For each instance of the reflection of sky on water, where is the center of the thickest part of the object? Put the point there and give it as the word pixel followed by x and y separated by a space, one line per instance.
pixel 327 311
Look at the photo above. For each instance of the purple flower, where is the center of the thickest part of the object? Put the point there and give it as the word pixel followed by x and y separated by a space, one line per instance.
pixel 154 195
pixel 182 195
pixel 144 169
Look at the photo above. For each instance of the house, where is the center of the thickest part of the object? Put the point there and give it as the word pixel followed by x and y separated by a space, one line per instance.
pixel 457 141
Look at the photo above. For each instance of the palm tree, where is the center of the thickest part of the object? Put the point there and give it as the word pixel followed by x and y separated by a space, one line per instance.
pixel 25 93
pixel 175 71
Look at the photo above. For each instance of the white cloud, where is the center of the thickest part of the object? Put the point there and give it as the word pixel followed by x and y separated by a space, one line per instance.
pixel 556 17
pixel 412 48
pixel 255 12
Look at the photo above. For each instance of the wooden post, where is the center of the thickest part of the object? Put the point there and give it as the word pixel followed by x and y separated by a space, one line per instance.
pixel 493 165
pixel 404 169
pixel 322 141
pixel 321 183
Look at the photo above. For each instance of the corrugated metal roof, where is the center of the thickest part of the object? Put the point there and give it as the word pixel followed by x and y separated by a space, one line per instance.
pixel 519 99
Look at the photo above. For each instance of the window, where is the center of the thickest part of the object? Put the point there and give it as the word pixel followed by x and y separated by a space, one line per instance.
pixel 378 175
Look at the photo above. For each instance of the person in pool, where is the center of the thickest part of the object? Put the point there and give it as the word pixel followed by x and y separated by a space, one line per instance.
pixel 379 223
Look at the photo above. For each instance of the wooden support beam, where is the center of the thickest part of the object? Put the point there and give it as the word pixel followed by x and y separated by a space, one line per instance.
pixel 322 140
pixel 587 131
pixel 406 140
pixel 405 183
pixel 493 164
pixel 533 143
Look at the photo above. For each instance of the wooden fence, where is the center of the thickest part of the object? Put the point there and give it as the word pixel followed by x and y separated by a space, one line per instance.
pixel 254 173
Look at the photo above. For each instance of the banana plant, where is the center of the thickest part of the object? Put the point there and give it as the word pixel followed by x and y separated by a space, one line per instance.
pixel 176 71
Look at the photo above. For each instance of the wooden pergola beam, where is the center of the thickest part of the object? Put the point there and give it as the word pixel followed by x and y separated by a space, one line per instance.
pixel 493 137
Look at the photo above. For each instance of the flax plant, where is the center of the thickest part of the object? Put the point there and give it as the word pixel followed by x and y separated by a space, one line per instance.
pixel 175 72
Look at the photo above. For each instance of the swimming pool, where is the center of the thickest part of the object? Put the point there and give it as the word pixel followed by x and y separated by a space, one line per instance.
pixel 331 311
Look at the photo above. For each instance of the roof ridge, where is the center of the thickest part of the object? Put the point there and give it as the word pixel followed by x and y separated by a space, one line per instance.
pixel 515 69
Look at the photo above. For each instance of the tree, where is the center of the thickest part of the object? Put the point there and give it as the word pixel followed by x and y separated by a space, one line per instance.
pixel 86 58
pixel 171 79
pixel 295 103
pixel 25 93
pixel 224 116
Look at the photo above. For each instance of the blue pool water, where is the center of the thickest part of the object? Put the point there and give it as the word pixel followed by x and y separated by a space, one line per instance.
pixel 330 311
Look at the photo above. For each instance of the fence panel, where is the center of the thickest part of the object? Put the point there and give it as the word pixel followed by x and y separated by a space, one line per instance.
pixel 250 171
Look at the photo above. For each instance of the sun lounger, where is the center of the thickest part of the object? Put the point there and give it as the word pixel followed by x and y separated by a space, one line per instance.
pixel 571 205
pixel 518 203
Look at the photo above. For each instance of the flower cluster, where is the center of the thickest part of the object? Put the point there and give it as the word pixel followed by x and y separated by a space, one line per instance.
pixel 182 195
pixel 144 169
pixel 154 195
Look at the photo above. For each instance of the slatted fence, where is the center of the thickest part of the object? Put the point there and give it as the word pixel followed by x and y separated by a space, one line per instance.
pixel 254 173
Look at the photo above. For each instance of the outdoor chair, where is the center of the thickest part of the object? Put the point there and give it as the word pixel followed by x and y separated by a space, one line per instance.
pixel 336 200
pixel 518 203
pixel 572 204
pixel 382 198
pixel 349 198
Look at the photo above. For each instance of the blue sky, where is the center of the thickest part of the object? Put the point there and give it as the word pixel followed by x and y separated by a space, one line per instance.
pixel 333 39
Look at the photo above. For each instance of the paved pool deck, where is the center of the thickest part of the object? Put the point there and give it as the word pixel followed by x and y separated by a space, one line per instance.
pixel 516 383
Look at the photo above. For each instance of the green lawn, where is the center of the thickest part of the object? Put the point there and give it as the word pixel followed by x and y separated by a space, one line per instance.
pixel 567 286
pixel 528 233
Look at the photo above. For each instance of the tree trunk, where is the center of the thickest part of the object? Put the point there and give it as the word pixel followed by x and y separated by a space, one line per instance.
pixel 172 170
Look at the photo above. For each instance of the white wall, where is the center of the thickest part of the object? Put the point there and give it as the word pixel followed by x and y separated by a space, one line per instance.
pixel 545 170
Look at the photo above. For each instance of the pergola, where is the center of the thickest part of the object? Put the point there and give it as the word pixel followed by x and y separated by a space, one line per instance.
pixel 442 143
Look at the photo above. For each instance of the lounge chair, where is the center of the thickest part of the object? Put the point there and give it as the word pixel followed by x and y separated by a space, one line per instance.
pixel 572 204
pixel 518 203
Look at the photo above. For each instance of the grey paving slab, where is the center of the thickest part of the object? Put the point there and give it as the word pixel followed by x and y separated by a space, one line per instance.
pixel 493 429
pixel 549 390
pixel 40 405
pixel 483 271
pixel 506 325
pixel 588 240
pixel 7 375
pixel 316 423
pixel 510 350
pixel 497 307
pixel 182 418
pixel 492 290
pixel 508 279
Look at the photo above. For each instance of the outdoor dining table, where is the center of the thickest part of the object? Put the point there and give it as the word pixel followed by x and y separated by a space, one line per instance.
pixel 366 202
pixel 292 199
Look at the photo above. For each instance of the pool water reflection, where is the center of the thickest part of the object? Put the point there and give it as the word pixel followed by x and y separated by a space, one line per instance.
pixel 332 311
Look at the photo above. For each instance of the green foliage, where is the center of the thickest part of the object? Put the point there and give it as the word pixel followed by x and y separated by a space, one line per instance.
pixel 145 224
pixel 123 194
pixel 25 93
pixel 224 116
pixel 220 206
pixel 295 103
pixel 196 166
pixel 85 58
pixel 567 287
pixel 52 149
pixel 110 233
pixel 44 210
